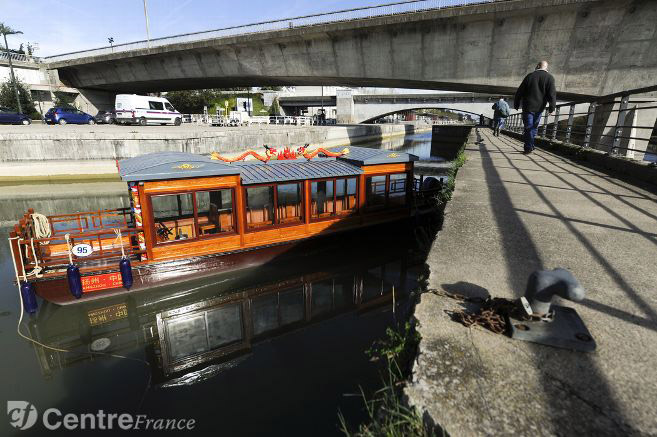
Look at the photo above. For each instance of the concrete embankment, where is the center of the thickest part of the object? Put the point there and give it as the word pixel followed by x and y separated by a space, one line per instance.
pixel 52 152
pixel 512 214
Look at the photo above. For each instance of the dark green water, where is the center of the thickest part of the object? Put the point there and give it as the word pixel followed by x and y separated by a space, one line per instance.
pixel 274 350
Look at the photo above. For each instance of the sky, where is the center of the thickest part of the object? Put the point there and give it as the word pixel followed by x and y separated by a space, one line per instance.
pixel 61 26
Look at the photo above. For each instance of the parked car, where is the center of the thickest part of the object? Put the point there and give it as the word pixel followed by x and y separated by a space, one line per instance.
pixel 105 117
pixel 60 115
pixel 143 110
pixel 9 116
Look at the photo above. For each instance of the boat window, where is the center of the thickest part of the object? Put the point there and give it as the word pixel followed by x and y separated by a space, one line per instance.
pixel 397 189
pixel 322 199
pixel 322 297
pixel 289 206
pixel 265 313
pixel 215 212
pixel 345 195
pixel 174 217
pixel 375 189
pixel 259 206
pixel 158 106
pixel 291 306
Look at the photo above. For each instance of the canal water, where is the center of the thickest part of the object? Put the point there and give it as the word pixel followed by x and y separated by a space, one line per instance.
pixel 278 349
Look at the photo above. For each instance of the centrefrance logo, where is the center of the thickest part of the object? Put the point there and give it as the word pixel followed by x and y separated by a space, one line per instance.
pixel 24 415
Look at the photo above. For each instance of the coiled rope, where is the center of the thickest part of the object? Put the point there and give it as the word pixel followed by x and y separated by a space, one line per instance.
pixel 41 227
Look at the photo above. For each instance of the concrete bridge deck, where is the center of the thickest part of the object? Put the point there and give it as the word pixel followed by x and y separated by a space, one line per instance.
pixel 510 215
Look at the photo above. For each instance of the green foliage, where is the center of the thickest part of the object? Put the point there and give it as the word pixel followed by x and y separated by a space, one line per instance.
pixel 63 99
pixel 8 97
pixel 445 194
pixel 388 414
pixel 193 101
pixel 275 108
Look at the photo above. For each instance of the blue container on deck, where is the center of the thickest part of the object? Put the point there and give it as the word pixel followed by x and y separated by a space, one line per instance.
pixel 29 297
pixel 126 273
pixel 74 280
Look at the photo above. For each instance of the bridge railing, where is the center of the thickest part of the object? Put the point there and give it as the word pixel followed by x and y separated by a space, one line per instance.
pixel 621 124
pixel 402 7
pixel 17 57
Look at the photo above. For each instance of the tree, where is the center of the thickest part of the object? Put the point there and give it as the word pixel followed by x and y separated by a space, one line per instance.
pixel 275 108
pixel 6 30
pixel 8 99
pixel 63 99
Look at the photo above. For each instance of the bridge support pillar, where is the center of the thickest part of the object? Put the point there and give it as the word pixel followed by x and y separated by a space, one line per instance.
pixel 639 124
pixel 344 107
pixel 602 132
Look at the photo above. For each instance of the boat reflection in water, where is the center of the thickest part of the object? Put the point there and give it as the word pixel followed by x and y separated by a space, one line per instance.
pixel 190 334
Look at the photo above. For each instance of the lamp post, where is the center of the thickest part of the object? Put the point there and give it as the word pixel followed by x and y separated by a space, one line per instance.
pixel 148 32
pixel 6 30
pixel 111 42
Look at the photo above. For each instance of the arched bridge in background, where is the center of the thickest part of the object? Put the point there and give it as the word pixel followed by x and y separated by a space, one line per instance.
pixel 594 47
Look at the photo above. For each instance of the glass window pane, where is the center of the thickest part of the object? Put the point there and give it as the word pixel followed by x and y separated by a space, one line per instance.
pixel 259 206
pixel 343 291
pixel 224 325
pixel 321 199
pixel 159 106
pixel 345 195
pixel 265 313
pixel 215 212
pixel 375 189
pixel 372 283
pixel 292 306
pixel 186 336
pixel 174 217
pixel 398 189
pixel 289 203
pixel 322 299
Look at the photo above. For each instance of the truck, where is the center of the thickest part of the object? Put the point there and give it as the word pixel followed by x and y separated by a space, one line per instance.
pixel 143 110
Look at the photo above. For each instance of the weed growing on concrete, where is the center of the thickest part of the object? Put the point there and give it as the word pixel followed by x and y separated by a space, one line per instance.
pixel 388 414
pixel 445 194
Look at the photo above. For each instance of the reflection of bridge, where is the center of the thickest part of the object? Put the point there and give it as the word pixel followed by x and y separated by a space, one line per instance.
pixel 595 47
pixel 365 108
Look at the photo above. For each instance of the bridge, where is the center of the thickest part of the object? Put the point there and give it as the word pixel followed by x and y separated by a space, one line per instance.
pixel 595 47
pixel 366 108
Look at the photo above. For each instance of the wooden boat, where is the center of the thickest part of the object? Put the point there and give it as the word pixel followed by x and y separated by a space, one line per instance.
pixel 191 215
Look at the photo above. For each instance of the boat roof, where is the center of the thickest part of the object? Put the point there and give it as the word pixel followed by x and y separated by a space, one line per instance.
pixel 181 165
pixel 367 156
pixel 172 165
pixel 292 170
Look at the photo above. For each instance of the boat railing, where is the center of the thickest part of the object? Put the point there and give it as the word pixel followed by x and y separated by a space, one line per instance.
pixel 81 222
pixel 57 251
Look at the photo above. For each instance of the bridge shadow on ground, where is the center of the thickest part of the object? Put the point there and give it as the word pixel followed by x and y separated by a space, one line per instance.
pixel 574 383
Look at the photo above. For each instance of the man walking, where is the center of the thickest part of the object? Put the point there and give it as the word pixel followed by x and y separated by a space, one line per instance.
pixel 502 111
pixel 535 92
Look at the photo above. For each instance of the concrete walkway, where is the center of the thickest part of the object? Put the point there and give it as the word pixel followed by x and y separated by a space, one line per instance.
pixel 512 214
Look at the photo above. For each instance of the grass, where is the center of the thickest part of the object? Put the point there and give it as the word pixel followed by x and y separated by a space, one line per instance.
pixel 445 194
pixel 387 412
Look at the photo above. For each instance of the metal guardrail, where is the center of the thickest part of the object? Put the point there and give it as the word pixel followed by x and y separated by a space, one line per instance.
pixel 609 124
pixel 18 57
pixel 397 8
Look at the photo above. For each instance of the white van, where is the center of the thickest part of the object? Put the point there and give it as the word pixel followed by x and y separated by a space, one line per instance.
pixel 131 108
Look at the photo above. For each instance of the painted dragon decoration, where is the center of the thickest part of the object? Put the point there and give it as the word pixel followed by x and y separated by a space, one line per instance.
pixel 285 154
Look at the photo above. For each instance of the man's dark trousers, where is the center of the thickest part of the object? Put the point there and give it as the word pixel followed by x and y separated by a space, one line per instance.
pixel 531 121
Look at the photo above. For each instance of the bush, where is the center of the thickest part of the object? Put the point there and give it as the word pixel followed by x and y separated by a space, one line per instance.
pixel 8 97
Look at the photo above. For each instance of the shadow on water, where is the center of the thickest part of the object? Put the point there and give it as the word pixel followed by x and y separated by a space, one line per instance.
pixel 522 257
pixel 274 349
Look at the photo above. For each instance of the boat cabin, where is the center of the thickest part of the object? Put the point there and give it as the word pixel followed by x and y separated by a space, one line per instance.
pixel 191 205
pixel 192 215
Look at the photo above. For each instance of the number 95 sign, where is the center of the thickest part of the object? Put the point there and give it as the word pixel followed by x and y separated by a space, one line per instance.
pixel 82 250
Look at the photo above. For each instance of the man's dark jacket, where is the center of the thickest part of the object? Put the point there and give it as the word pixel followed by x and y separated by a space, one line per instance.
pixel 535 92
